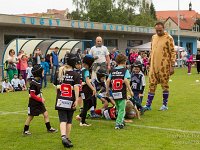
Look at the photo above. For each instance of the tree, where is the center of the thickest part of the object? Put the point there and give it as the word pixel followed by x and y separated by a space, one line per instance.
pixel 153 11
pixel 113 11
pixel 100 10
pixel 144 18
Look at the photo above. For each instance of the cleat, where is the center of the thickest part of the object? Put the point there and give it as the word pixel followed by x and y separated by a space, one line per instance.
pixel 124 124
pixel 67 143
pixel 142 111
pixel 27 133
pixel 163 108
pixel 119 126
pixel 52 130
pixel 146 108
pixel 84 124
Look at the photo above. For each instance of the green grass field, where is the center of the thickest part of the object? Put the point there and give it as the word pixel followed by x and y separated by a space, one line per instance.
pixel 175 129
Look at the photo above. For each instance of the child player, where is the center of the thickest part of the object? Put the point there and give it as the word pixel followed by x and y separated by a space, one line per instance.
pixel 67 97
pixel 77 69
pixel 16 83
pixel 137 85
pixel 28 71
pixel 88 91
pixel 118 80
pixel 36 101
pixel 6 86
pixel 100 86
pixel 45 67
pixel 22 83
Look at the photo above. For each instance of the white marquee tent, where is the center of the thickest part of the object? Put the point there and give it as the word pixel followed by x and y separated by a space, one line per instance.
pixel 198 45
pixel 147 47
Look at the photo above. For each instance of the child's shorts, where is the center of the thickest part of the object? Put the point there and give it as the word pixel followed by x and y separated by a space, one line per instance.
pixel 65 115
pixel 36 110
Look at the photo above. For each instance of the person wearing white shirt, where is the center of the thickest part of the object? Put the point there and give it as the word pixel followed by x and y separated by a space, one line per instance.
pixel 22 83
pixel 139 58
pixel 101 56
pixel 184 57
pixel 6 86
pixel 28 71
pixel 16 83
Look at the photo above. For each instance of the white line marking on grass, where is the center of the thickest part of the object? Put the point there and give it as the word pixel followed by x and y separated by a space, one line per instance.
pixel 15 112
pixel 159 128
pixel 195 84
pixel 165 129
pixel 106 121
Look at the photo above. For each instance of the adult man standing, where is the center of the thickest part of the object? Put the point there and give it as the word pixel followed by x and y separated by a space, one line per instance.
pixel 101 55
pixel 162 61
pixel 54 63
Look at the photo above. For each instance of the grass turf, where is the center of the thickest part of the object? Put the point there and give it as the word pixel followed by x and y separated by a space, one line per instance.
pixel 153 132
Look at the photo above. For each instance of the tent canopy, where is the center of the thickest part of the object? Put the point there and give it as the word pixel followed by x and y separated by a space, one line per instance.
pixel 198 44
pixel 147 47
pixel 46 46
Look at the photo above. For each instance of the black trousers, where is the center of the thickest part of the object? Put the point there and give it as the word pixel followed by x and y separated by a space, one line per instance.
pixel 198 67
pixel 87 104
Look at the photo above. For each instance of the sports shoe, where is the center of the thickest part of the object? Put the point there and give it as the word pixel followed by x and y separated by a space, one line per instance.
pixel 142 111
pixel 119 127
pixel 163 108
pixel 78 118
pixel 52 130
pixel 124 124
pixel 145 108
pixel 84 124
pixel 67 143
pixel 27 133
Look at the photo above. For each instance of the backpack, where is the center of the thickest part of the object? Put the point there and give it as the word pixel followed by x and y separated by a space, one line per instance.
pixel 5 65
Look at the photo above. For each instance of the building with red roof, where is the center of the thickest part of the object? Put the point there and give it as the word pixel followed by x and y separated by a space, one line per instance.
pixel 189 21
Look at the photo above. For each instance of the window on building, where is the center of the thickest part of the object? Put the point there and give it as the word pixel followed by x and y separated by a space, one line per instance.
pixel 196 28
pixel 111 42
pixel 189 47
pixel 133 43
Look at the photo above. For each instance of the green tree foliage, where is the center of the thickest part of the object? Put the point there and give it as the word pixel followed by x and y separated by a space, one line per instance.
pixel 100 10
pixel 115 11
pixel 144 18
pixel 153 11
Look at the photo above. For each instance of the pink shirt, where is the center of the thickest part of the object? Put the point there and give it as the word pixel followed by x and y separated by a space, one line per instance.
pixel 23 63
pixel 190 59
pixel 145 61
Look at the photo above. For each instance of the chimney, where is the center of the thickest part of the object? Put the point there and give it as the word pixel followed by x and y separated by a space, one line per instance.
pixel 190 6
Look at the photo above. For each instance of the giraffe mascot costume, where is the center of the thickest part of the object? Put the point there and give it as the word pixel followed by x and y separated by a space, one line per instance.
pixel 162 60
